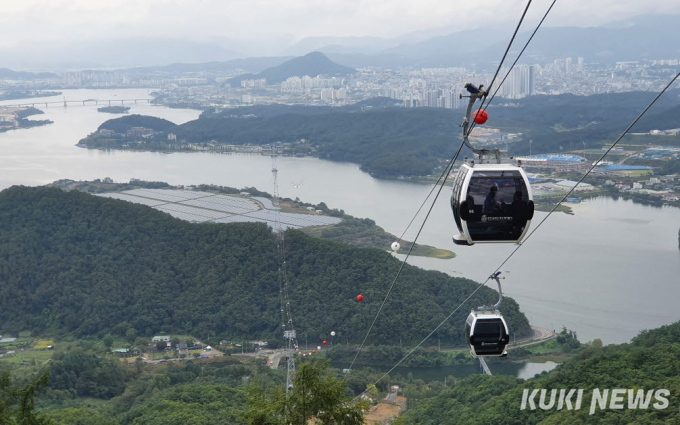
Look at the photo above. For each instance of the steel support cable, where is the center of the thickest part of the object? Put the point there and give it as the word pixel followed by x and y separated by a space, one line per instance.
pixel 536 228
pixel 447 170
pixel 519 24
pixel 515 62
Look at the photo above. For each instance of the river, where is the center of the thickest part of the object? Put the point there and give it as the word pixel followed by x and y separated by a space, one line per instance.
pixel 608 271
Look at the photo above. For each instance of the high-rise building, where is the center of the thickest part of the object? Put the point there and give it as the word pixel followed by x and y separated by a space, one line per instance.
pixel 519 83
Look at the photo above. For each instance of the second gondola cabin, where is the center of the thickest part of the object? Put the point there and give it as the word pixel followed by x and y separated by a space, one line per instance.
pixel 486 333
pixel 491 203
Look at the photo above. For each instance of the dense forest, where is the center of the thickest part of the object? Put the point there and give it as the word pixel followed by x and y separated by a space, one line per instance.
pixel 391 142
pixel 649 362
pixel 123 124
pixel 83 265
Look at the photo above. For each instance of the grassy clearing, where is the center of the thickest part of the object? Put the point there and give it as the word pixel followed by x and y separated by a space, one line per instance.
pixel 431 251
pixel 30 357
pixel 42 344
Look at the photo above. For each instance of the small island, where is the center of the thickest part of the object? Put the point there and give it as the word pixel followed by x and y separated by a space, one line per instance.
pixel 114 109
pixel 12 118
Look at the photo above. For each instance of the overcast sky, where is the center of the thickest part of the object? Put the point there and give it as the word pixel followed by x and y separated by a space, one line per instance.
pixel 67 21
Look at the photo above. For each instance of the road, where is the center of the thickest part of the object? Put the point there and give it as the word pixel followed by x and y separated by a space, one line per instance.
pixel 540 335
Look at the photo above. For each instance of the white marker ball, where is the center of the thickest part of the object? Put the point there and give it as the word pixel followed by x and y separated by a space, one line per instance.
pixel 333 333
pixel 395 246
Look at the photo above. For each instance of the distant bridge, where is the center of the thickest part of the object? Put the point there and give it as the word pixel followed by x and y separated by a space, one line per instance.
pixel 65 103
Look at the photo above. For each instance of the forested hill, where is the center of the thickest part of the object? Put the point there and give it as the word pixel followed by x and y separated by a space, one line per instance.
pixel 311 64
pixel 392 141
pixel 649 362
pixel 81 264
pixel 123 124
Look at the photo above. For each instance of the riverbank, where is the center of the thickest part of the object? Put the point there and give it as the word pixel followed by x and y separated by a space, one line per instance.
pixel 16 118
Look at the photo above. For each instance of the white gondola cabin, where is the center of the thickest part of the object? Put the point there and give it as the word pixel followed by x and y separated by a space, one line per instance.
pixel 491 203
pixel 486 333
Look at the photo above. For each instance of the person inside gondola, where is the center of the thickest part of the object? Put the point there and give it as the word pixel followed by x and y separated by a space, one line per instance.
pixel 518 210
pixel 491 205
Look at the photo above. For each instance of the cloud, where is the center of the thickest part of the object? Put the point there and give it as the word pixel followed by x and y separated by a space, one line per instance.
pixel 61 21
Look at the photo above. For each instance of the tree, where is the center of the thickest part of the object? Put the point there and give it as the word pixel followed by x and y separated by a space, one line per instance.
pixel 17 404
pixel 161 345
pixel 315 394
pixel 108 341
pixel 131 335
pixel 372 390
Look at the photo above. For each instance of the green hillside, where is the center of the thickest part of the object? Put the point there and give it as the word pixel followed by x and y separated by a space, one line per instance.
pixel 393 142
pixel 648 363
pixel 80 264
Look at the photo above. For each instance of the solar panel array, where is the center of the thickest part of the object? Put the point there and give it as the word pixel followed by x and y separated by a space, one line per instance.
pixel 228 204
pixel 202 207
pixel 296 220
pixel 188 213
pixel 168 195
pixel 131 198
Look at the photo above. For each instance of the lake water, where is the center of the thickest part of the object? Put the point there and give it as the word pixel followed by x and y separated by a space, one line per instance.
pixel 606 272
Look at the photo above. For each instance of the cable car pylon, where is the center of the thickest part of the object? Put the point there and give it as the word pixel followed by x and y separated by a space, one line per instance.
pixel 289 333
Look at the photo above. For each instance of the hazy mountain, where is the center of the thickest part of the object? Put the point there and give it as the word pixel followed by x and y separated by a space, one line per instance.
pixel 117 53
pixel 311 64
pixel 8 74
pixel 340 45
pixel 605 45
pixel 247 64
pixel 645 37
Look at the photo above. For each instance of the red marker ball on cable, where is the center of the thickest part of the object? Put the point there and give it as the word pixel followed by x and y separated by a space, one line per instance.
pixel 480 117
pixel 360 298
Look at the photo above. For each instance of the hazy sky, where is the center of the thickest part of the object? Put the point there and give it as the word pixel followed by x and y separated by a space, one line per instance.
pixel 67 21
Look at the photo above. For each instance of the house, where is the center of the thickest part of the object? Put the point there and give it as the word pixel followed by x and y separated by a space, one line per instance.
pixel 182 348
pixel 159 338
pixel 121 352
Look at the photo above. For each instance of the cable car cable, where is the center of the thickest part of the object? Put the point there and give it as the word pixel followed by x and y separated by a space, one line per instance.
pixel 446 173
pixel 590 169
pixel 403 263
pixel 515 62
pixel 542 221
pixel 512 39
